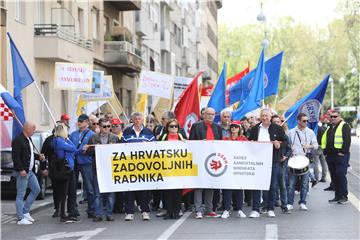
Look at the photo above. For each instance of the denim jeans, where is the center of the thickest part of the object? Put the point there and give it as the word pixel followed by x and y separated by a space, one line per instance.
pixel 239 197
pixel 282 168
pixel 303 190
pixel 22 183
pixel 338 166
pixel 103 199
pixel 88 181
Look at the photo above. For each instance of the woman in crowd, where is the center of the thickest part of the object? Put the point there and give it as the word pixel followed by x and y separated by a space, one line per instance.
pixel 172 197
pixel 65 150
pixel 236 134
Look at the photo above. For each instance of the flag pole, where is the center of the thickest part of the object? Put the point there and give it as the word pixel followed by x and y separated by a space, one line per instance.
pixel 46 105
pixel 287 118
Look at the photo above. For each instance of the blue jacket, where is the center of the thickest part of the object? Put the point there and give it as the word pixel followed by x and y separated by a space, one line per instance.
pixel 65 149
pixel 129 135
pixel 81 157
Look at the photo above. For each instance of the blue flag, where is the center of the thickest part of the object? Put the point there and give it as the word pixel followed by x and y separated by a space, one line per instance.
pixel 10 101
pixel 22 78
pixel 310 105
pixel 218 97
pixel 241 90
pixel 256 94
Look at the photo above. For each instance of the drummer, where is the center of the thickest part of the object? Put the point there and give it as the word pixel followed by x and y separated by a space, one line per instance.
pixel 303 142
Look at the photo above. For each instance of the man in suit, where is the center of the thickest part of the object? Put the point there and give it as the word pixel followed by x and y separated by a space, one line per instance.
pixel 205 130
pixel 24 156
pixel 267 131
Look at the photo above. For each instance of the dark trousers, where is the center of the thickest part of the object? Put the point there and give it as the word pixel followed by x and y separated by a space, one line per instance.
pixel 238 196
pixel 157 196
pixel 119 202
pixel 216 199
pixel 56 186
pixel 142 199
pixel 67 190
pixel 173 201
pixel 338 166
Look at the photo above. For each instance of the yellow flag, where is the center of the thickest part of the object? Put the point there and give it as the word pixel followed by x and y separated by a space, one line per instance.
pixel 141 103
pixel 162 105
pixel 81 106
pixel 289 100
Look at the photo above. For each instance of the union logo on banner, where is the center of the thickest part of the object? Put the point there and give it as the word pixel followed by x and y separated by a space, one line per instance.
pixel 216 164
pixel 5 113
pixel 266 81
pixel 312 109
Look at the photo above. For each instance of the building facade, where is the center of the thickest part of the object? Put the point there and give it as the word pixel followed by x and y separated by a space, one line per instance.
pixel 118 37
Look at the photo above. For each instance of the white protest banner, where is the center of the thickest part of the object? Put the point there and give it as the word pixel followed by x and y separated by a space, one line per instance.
pixel 180 84
pixel 156 84
pixel 73 76
pixel 184 164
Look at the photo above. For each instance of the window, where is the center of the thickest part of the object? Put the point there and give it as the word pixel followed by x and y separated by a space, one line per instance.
pixel 81 21
pixel 212 63
pixel 211 35
pixel 44 112
pixel 177 33
pixel 20 11
pixel 95 23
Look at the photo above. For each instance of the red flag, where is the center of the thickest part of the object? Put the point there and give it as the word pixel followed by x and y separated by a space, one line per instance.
pixel 233 80
pixel 187 110
pixel 206 91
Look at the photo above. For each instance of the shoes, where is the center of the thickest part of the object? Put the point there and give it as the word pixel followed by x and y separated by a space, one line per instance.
pixel 161 213
pixel 285 210
pixel 241 214
pixel 254 214
pixel 91 215
pixel 56 213
pixel 329 189
pixel 296 192
pixel 313 183
pixel 263 210
pixel 129 217
pixel 271 214
pixel 225 214
pixel 167 216
pixel 28 217
pixel 24 221
pixel 303 207
pixel 110 218
pixel 77 214
pixel 322 180
pixel 343 200
pixel 334 200
pixel 290 207
pixel 199 215
pixel 212 214
pixel 97 219
pixel 74 219
pixel 145 216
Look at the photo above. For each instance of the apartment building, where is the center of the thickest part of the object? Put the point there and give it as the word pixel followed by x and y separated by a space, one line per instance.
pixel 119 37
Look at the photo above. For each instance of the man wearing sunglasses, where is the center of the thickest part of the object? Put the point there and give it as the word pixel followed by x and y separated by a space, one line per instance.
pixel 303 141
pixel 336 142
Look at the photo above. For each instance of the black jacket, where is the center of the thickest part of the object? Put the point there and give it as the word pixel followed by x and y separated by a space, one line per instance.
pixel 276 133
pixel 199 129
pixel 330 135
pixel 21 153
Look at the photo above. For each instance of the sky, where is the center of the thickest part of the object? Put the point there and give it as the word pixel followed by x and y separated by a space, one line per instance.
pixel 317 13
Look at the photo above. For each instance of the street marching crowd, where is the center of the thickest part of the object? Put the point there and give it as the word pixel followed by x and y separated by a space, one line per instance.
pixel 66 155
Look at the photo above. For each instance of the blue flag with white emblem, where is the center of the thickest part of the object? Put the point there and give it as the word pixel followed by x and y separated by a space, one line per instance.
pixel 241 90
pixel 309 105
pixel 256 94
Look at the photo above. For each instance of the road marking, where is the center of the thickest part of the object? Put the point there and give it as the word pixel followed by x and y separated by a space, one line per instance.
pixel 42 204
pixel 354 174
pixel 173 227
pixel 271 232
pixel 84 235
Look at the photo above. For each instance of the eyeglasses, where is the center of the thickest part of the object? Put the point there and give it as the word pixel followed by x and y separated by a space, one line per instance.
pixel 304 121
pixel 333 116
pixel 173 126
pixel 95 124
pixel 234 126
pixel 115 125
pixel 106 126
pixel 81 121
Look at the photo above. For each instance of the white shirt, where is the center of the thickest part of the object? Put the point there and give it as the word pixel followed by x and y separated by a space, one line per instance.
pixel 32 159
pixel 307 136
pixel 263 133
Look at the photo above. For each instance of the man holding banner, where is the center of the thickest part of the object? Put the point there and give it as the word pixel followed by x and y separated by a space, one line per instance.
pixel 205 130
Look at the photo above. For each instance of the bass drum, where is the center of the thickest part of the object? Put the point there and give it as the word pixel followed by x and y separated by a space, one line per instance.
pixel 298 165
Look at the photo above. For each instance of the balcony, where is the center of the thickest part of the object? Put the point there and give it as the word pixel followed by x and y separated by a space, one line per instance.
pixel 126 5
pixel 61 43
pixel 165 39
pixel 122 55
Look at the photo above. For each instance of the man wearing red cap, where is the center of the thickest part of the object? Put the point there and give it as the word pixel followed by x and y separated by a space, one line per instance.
pixel 116 127
pixel 65 118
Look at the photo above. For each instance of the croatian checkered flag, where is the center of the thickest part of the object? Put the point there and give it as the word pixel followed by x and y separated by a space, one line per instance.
pixel 5 113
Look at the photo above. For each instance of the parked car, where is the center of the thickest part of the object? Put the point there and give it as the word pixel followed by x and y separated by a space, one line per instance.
pixel 8 181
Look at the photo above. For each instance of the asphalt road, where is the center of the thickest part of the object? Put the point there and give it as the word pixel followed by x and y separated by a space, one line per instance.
pixel 322 221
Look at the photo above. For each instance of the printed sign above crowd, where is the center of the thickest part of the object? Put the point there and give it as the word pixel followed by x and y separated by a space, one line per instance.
pixel 156 84
pixel 101 87
pixel 184 164
pixel 73 76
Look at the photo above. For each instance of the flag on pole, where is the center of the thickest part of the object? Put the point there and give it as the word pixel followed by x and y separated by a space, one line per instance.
pixel 218 100
pixel 241 90
pixel 309 105
pixel 141 103
pixel 22 78
pixel 256 94
pixel 187 109
pixel 230 82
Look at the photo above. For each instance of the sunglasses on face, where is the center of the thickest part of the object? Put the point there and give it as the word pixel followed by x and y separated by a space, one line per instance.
pixel 95 124
pixel 81 121
pixel 106 126
pixel 333 116
pixel 115 126
pixel 304 121
pixel 173 126
pixel 234 126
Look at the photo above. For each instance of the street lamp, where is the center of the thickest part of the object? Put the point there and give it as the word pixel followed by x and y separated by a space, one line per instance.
pixel 262 18
pixel 332 92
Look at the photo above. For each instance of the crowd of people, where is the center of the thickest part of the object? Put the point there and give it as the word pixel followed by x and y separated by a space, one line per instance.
pixel 73 154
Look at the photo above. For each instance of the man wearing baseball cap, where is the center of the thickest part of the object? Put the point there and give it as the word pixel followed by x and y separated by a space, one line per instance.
pixel 65 118
pixel 116 127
